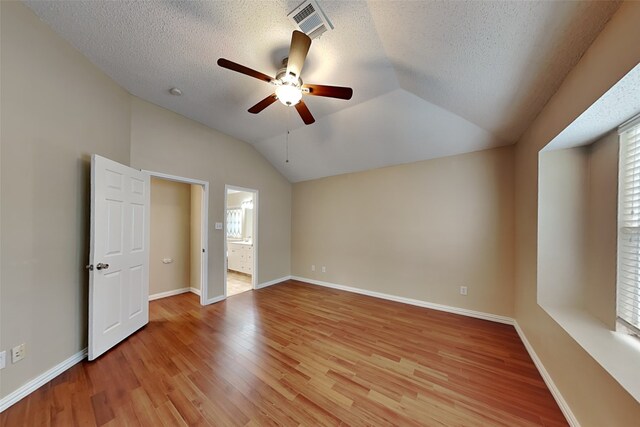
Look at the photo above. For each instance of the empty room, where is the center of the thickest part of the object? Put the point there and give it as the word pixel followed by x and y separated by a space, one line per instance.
pixel 319 213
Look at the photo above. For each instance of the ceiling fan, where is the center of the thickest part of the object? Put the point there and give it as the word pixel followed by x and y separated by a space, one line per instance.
pixel 289 86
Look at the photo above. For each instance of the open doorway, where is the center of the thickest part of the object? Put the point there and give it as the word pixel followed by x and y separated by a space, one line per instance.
pixel 178 236
pixel 241 231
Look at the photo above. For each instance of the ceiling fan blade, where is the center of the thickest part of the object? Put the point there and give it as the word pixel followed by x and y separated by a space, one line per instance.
pixel 300 44
pixel 263 104
pixel 225 63
pixel 304 112
pixel 329 91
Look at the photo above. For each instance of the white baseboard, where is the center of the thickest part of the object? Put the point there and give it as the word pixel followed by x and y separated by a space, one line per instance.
pixel 564 407
pixel 40 380
pixel 272 282
pixel 215 299
pixel 562 403
pixel 47 376
pixel 411 301
pixel 174 292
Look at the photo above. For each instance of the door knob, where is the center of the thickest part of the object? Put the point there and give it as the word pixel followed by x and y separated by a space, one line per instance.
pixel 101 266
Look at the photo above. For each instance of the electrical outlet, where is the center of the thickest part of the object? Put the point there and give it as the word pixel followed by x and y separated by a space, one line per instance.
pixel 18 353
pixel 3 359
pixel 313 267
pixel 463 290
pixel 324 269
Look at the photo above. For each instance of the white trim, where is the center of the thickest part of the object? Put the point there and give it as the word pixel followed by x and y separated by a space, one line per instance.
pixel 174 292
pixel 41 379
pixel 216 299
pixel 175 178
pixel 204 227
pixel 37 382
pixel 411 301
pixel 169 293
pixel 204 264
pixel 555 392
pixel 273 282
pixel 564 406
pixel 254 238
pixel 633 121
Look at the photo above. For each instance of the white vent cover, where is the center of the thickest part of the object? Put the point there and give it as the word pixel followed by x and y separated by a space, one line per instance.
pixel 310 19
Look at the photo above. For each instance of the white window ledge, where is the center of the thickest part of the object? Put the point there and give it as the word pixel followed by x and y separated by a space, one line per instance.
pixel 616 352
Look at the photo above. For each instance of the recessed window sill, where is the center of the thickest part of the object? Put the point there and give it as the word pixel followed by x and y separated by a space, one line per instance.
pixel 616 352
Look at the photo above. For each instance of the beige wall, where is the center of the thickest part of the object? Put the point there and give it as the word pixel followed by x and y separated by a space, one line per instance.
pixel 419 230
pixel 594 396
pixel 196 236
pixel 170 236
pixel 577 216
pixel 562 226
pixel 600 293
pixel 56 110
pixel 166 142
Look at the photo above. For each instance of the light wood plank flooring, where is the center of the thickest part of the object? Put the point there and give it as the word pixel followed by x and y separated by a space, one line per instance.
pixel 296 354
pixel 237 283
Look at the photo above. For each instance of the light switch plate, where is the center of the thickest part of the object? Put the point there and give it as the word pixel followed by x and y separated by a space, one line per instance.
pixel 218 226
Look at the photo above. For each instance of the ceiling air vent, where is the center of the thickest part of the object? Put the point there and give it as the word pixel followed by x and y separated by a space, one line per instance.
pixel 310 19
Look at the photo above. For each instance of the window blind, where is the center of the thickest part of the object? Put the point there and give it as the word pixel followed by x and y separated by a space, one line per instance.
pixel 234 223
pixel 628 286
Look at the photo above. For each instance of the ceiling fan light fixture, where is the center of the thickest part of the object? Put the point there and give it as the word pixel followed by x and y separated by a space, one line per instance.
pixel 288 84
pixel 289 94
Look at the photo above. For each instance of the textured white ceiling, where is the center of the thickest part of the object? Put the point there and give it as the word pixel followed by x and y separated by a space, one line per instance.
pixel 616 106
pixel 491 64
pixel 494 63
pixel 397 127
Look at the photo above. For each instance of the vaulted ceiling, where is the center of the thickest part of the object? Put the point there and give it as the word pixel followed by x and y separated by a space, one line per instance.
pixel 430 78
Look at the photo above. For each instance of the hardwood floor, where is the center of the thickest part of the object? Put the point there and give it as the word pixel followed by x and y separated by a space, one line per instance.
pixel 297 354
pixel 237 283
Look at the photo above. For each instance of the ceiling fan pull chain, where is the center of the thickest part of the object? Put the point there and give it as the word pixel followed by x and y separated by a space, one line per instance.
pixel 287 139
pixel 287 161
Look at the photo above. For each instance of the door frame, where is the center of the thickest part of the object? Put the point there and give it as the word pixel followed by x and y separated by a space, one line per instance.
pixel 254 276
pixel 204 228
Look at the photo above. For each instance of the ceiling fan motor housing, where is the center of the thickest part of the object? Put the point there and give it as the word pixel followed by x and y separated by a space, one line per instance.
pixel 289 86
pixel 283 77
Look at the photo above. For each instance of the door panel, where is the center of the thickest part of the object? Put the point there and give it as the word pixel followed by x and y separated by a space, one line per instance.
pixel 114 228
pixel 111 295
pixel 119 280
pixel 137 227
pixel 136 296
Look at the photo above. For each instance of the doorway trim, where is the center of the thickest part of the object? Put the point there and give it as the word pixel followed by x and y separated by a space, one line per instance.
pixel 204 262
pixel 254 276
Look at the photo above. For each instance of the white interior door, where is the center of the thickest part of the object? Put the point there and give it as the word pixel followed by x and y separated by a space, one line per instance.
pixel 119 259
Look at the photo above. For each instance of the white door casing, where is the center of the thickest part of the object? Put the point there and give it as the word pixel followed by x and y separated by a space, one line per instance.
pixel 119 257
